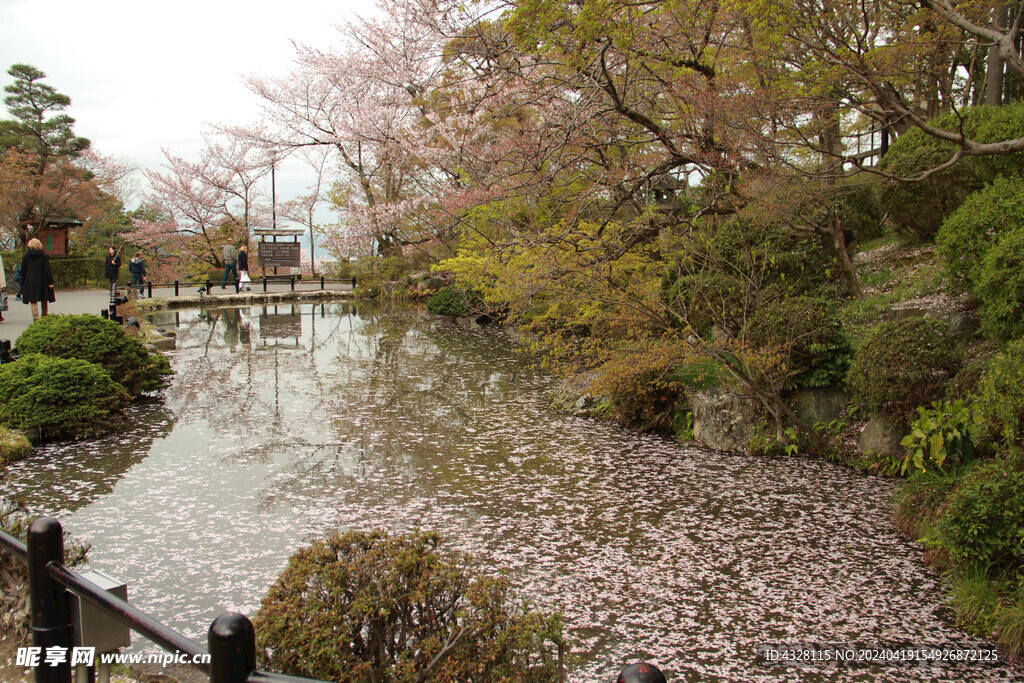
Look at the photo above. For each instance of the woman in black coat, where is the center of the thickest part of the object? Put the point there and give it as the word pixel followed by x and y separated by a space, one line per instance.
pixel 36 278
pixel 112 266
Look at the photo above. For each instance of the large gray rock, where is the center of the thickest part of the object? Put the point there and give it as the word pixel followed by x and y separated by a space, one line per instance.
pixel 880 436
pixel 954 310
pixel 723 420
pixel 572 395
pixel 820 404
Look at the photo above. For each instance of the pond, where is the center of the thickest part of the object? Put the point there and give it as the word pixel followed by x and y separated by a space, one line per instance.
pixel 287 423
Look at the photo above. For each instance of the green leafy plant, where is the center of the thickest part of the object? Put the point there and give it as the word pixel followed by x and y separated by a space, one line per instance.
pixel 968 234
pixel 983 526
pixel 999 401
pixel 371 606
pixel 1000 286
pixel 104 342
pixel 902 365
pixel 940 433
pixel 454 302
pixel 918 209
pixel 62 397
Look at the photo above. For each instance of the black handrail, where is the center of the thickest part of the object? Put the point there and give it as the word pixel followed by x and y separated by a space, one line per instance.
pixel 209 285
pixel 232 639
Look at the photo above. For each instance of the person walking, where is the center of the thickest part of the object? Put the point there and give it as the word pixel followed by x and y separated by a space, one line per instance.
pixel 3 286
pixel 17 280
pixel 230 263
pixel 137 267
pixel 37 278
pixel 243 267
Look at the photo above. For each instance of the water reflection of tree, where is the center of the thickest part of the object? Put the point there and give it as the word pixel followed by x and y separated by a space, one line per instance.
pixel 59 478
pixel 415 386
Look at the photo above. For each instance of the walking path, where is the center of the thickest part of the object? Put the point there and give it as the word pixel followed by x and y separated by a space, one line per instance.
pixel 94 300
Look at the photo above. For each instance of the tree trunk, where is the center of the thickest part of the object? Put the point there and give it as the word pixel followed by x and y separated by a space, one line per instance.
pixel 994 77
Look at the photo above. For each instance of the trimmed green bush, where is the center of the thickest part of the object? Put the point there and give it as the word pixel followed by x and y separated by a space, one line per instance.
pixel 903 365
pixel 983 526
pixel 1001 287
pixel 104 342
pixel 917 209
pixel 973 229
pixel 454 302
pixel 999 401
pixel 62 397
pixel 809 331
pixel 13 446
pixel 369 606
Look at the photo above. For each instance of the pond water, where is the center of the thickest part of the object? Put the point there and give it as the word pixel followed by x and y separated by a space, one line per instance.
pixel 287 423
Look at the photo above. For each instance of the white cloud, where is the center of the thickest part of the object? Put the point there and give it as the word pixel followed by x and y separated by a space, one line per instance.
pixel 144 76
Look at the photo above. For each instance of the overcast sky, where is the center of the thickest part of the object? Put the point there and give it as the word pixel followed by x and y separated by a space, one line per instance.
pixel 149 75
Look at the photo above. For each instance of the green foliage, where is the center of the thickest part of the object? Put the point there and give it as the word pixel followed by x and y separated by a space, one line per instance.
pixel 37 127
pixel 921 500
pixel 14 610
pixel 977 226
pixel 940 433
pixel 682 424
pixel 369 606
pixel 917 209
pixel 808 329
pixel 1001 286
pixel 764 441
pixel 858 207
pixel 63 397
pixel 392 268
pixel 454 302
pixel 983 527
pixel 91 338
pixel 13 446
pixel 999 400
pixel 1009 627
pixel 902 365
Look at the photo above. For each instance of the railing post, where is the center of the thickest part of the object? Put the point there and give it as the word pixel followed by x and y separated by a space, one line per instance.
pixel 321 282
pixel 175 288
pixel 232 645
pixel 48 601
pixel 149 288
pixel 264 284
pixel 208 285
pixel 293 283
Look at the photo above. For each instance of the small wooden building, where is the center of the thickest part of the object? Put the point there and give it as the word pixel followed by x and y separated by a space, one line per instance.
pixel 55 236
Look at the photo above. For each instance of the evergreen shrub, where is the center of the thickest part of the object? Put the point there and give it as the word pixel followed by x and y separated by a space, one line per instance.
pixel 998 402
pixel 809 331
pixel 983 525
pixel 902 365
pixel 104 342
pixel 1000 287
pixel 917 209
pixel 63 397
pixel 977 226
pixel 454 302
pixel 370 606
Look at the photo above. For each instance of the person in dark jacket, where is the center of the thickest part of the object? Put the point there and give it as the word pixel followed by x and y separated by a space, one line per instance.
pixel 37 278
pixel 243 267
pixel 137 267
pixel 112 266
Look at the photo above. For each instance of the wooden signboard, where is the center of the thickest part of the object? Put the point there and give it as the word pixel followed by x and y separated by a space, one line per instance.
pixel 279 255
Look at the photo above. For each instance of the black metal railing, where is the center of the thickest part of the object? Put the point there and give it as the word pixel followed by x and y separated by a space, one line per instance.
pixel 231 636
pixel 208 285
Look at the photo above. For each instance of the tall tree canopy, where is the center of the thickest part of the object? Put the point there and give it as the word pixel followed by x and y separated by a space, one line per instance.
pixel 42 179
